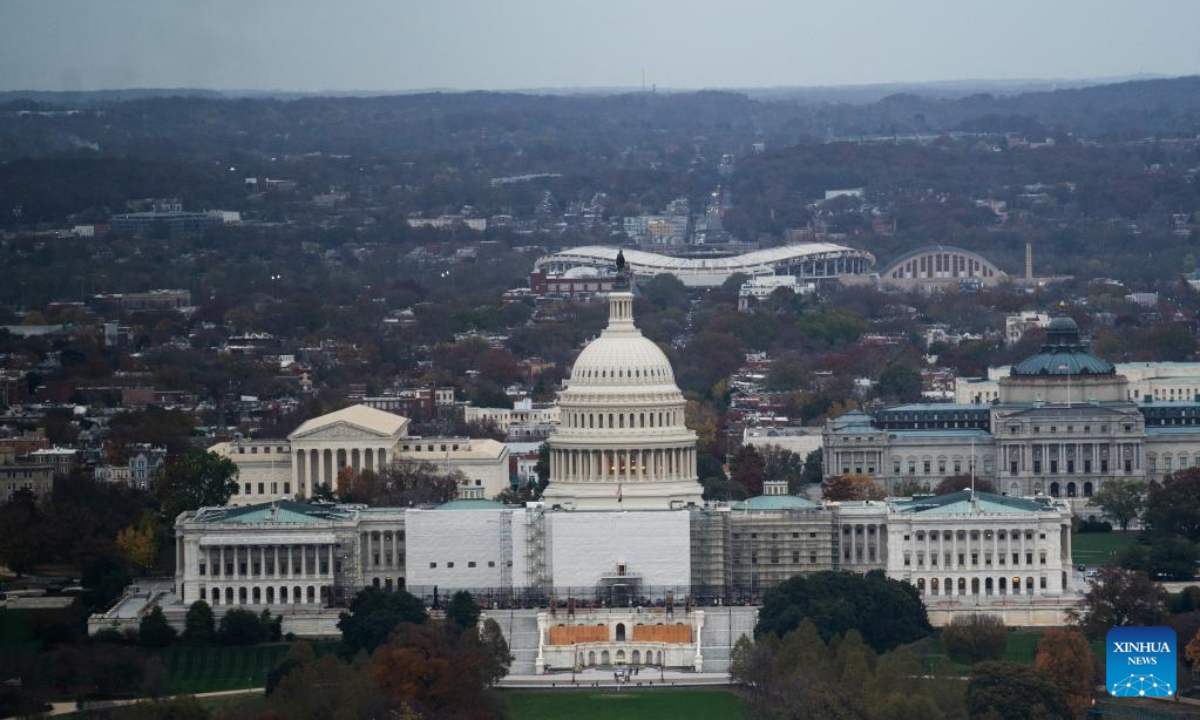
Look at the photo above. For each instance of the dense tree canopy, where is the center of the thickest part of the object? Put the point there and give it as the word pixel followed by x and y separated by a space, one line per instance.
pixel 1009 691
pixel 374 614
pixel 886 612
pixel 1173 507
pixel 194 480
pixel 1119 597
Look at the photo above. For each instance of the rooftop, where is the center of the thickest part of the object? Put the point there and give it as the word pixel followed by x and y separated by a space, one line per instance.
pixel 1063 355
pixel 471 505
pixel 283 511
pixel 360 416
pixel 959 503
pixel 775 502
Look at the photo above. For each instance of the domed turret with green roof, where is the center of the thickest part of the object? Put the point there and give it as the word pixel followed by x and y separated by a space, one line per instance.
pixel 1063 354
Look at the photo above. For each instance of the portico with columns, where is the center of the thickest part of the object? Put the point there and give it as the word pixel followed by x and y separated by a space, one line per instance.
pixel 358 437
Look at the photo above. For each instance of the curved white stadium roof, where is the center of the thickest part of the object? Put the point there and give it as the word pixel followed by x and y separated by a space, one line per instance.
pixel 805 260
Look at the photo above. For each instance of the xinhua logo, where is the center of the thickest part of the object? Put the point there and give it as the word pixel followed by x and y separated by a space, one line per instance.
pixel 1140 662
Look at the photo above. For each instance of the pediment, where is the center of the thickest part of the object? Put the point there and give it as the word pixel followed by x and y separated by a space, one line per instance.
pixel 341 430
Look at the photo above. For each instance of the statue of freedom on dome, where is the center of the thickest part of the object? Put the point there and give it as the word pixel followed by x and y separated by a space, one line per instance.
pixel 622 280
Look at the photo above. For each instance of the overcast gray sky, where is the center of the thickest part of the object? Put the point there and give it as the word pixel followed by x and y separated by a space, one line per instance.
pixel 495 44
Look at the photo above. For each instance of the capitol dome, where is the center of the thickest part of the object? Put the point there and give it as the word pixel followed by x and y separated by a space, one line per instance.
pixel 621 441
pixel 622 357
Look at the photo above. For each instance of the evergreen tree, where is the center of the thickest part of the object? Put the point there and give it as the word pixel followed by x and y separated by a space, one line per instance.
pixel 199 626
pixel 154 630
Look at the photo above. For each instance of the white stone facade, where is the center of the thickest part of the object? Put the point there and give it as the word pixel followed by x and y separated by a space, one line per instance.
pixel 360 438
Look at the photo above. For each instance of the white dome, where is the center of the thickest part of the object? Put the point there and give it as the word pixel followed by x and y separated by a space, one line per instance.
pixel 619 359
pixel 622 441
pixel 622 360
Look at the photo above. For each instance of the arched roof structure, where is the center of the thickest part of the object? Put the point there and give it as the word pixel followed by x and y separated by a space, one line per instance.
pixel 808 261
pixel 940 264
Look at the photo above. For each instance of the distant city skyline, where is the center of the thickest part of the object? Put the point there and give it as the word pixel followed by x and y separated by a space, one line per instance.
pixel 380 45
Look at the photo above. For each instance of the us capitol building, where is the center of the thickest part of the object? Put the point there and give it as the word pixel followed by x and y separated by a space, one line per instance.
pixel 1062 424
pixel 622 561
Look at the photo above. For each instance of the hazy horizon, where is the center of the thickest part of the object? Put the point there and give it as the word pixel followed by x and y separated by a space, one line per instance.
pixel 373 46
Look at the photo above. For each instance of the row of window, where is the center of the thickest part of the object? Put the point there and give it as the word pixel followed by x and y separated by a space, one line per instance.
pixel 962 559
pixel 617 420
pixel 988 586
pixel 248 488
pixel 773 536
pixel 774 558
pixel 1152 462
pixel 470 564
pixel 257 569
pixel 623 373
pixel 265 448
pixel 973 535
pixel 1014 429
pixel 256 596
pixel 445 447
pixel 927 466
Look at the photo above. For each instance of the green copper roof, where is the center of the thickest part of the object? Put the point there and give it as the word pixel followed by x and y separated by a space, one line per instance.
pixel 1064 354
pixel 775 502
pixel 284 511
pixel 959 503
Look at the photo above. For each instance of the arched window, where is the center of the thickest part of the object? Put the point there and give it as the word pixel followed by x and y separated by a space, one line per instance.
pixel 636 658
pixel 1054 492
pixel 620 657
pixel 1071 489
pixel 620 632
pixel 591 658
pixel 621 420
pixel 283 594
pixel 604 658
pixel 921 585
pixel 933 586
pixel 641 419
pixel 1087 489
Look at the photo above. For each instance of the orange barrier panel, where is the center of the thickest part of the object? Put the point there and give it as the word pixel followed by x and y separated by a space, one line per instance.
pixel 571 634
pixel 677 634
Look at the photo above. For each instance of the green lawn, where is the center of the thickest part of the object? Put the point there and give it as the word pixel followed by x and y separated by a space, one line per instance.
pixel 209 669
pixel 1022 648
pixel 15 636
pixel 627 704
pixel 1097 548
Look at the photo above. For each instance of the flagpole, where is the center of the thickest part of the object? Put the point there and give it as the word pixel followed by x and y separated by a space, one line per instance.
pixel 972 468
